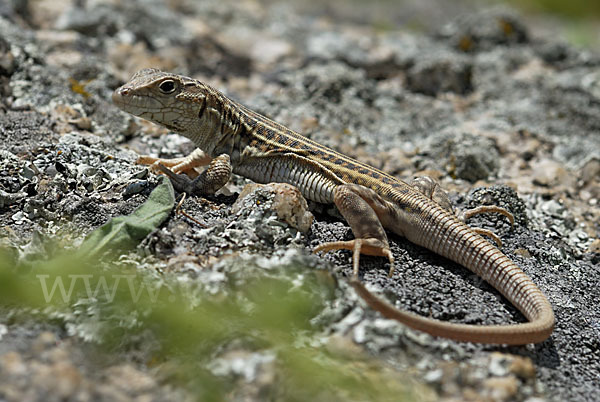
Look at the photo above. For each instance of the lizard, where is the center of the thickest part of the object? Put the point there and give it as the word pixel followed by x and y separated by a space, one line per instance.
pixel 231 138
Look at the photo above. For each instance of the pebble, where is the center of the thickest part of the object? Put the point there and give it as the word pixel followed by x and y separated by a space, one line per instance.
pixel 343 346
pixel 269 50
pixel 463 155
pixel 7 59
pixel 44 341
pixel 498 365
pixel 522 367
pixel 501 388
pixel 553 208
pixel 135 188
pixel 547 172
pixel 396 162
pixel 472 62
pixel 590 171
pixel 130 379
pixel 433 376
pixel 594 247
pixel 288 203
pixel 12 364
pixel 431 76
pixel 7 199
pixel 19 217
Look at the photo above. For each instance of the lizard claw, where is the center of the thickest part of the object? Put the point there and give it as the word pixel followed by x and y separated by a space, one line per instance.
pixel 181 182
pixel 369 246
pixel 187 164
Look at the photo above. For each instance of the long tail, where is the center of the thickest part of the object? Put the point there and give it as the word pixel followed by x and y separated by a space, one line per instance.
pixel 449 237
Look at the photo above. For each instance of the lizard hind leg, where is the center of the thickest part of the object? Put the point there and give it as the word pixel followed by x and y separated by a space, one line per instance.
pixel 431 188
pixel 464 215
pixel 354 203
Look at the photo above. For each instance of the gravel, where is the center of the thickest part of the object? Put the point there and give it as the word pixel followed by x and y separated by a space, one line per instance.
pixel 496 112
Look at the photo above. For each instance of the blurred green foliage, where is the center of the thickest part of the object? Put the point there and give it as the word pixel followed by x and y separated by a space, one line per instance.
pixel 578 21
pixel 265 314
pixel 570 9
pixel 115 304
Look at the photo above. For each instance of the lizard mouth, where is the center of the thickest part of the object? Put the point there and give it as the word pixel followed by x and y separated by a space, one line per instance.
pixel 143 106
pixel 130 102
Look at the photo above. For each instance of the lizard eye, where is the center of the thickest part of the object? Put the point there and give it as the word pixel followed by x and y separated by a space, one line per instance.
pixel 167 86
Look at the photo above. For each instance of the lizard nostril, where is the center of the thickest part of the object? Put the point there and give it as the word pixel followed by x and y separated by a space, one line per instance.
pixel 119 93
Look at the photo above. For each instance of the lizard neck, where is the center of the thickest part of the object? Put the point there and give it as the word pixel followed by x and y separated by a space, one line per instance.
pixel 212 126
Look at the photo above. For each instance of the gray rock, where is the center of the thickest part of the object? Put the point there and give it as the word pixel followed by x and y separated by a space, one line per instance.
pixel 440 73
pixel 461 155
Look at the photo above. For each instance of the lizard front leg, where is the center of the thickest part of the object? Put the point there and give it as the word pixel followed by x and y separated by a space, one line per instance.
pixel 360 207
pixel 186 164
pixel 208 182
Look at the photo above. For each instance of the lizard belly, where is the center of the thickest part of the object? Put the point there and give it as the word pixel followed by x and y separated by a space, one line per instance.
pixel 312 185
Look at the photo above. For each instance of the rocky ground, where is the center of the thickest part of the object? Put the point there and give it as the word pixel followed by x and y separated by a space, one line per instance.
pixel 496 112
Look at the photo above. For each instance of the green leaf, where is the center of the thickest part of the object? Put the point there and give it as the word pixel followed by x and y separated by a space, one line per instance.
pixel 125 232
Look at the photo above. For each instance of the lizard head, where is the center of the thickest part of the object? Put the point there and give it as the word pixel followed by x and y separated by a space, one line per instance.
pixel 156 96
pixel 184 105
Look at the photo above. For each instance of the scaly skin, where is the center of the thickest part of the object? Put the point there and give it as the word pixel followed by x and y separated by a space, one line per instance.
pixel 240 140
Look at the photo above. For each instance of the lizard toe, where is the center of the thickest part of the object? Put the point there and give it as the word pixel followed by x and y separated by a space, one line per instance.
pixel 368 246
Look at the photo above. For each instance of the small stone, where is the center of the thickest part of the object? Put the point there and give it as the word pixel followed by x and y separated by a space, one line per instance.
pixel 547 172
pixel 396 162
pixel 309 123
pixel 64 58
pixel 523 252
pixel 463 155
pixel 12 364
pixel 522 367
pixel 501 388
pixel 56 355
pixel 288 203
pixel 61 379
pixel 29 171
pixel 594 247
pixel 7 59
pixel 469 394
pixel 68 378
pixel 250 366
pixel 10 198
pixel 269 50
pixel 18 217
pixel 343 346
pixel 590 171
pixel 531 71
pixel 44 341
pixel 130 379
pixel 46 12
pixel 553 208
pixel 440 74
pixel 498 364
pixel 135 188
pixel 82 123
pixel 434 376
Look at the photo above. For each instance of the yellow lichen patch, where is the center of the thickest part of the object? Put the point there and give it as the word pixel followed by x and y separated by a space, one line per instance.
pixel 507 27
pixel 79 87
pixel 465 43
